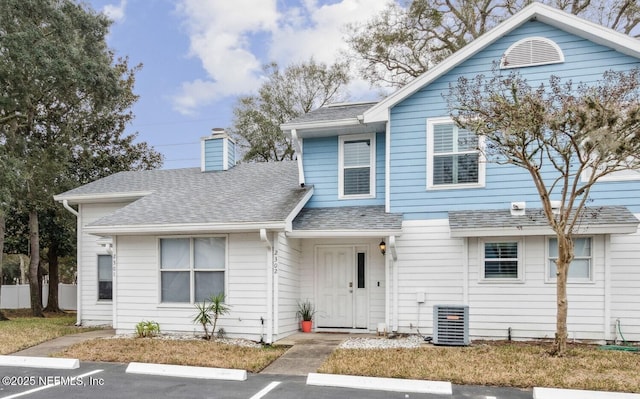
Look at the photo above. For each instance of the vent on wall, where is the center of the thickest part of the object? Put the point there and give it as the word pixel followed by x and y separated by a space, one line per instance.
pixel 451 325
pixel 532 51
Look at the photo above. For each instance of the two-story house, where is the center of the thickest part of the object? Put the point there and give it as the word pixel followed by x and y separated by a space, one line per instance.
pixel 387 212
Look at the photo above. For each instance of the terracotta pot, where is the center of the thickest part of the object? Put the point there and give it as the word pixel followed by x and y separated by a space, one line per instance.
pixel 306 326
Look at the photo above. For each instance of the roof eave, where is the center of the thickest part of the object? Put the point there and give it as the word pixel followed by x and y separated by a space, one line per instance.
pixel 562 20
pixel 101 197
pixel 622 228
pixel 319 125
pixel 184 228
pixel 343 233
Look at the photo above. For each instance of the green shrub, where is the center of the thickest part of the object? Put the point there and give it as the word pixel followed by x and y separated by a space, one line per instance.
pixel 147 329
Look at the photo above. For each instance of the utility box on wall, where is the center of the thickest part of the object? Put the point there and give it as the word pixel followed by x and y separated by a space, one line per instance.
pixel 451 325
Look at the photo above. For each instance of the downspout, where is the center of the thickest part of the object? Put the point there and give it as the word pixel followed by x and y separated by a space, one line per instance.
pixel 297 145
pixel 114 282
pixel 267 243
pixel 607 288
pixel 394 262
pixel 68 207
pixel 387 165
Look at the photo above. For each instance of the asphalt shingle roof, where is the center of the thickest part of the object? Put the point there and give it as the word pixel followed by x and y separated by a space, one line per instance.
pixel 502 218
pixel 347 218
pixel 333 112
pixel 263 192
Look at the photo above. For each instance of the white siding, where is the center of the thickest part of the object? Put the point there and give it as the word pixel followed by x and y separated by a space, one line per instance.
pixel 430 261
pixel 93 312
pixel 374 274
pixel 288 284
pixel 625 286
pixel 138 288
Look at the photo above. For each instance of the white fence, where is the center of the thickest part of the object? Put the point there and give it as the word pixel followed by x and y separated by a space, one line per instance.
pixel 17 296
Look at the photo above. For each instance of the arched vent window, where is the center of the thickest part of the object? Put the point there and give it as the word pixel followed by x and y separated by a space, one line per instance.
pixel 532 51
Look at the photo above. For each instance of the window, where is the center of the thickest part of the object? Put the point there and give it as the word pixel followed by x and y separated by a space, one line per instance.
pixel 580 269
pixel 453 158
pixel 356 177
pixel 361 271
pixel 105 277
pixel 532 51
pixel 191 269
pixel 501 260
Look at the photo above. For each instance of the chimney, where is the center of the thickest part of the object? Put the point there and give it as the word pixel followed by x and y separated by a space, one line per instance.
pixel 218 151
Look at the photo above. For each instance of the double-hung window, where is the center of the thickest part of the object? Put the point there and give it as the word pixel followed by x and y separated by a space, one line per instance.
pixel 580 269
pixel 501 260
pixel 453 156
pixel 192 269
pixel 105 277
pixel 356 178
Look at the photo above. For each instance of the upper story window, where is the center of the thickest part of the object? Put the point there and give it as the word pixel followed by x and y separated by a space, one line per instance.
pixel 453 157
pixel 580 269
pixel 357 160
pixel 531 51
pixel 501 260
pixel 191 269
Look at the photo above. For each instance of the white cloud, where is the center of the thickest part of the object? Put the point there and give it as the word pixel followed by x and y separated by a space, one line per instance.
pixel 115 12
pixel 222 35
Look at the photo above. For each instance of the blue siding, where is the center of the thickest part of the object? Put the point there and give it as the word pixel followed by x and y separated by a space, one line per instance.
pixel 320 159
pixel 213 154
pixel 231 154
pixel 584 61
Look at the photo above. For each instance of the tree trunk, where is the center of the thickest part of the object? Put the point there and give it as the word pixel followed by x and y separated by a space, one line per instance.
pixel 565 256
pixel 52 257
pixel 2 231
pixel 34 263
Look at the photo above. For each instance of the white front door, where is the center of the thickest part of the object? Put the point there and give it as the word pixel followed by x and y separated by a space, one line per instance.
pixel 341 287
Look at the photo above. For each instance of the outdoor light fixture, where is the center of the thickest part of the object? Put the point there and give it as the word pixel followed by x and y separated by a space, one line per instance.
pixel 383 247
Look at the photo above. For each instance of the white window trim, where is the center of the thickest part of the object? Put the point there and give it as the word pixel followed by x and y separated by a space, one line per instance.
pixel 528 39
pixel 481 260
pixel 430 154
pixel 372 165
pixel 552 280
pixel 191 269
pixel 98 300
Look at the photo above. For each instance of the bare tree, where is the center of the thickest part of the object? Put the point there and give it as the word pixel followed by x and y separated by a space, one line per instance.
pixel 408 37
pixel 285 94
pixel 566 136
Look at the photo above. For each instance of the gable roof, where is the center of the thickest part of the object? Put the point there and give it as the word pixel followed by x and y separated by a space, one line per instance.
pixel 500 222
pixel 568 22
pixel 345 221
pixel 246 197
pixel 325 120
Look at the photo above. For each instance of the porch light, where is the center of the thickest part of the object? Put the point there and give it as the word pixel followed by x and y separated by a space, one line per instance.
pixel 383 247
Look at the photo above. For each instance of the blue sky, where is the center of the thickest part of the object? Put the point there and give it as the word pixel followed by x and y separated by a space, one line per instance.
pixel 198 56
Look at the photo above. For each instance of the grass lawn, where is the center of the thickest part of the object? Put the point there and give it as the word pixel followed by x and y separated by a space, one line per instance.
pixel 181 352
pixel 514 364
pixel 23 331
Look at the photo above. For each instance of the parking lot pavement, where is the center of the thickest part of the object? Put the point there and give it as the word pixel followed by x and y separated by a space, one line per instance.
pixel 109 380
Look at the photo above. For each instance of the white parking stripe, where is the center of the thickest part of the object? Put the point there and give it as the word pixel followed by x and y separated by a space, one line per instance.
pixel 266 390
pixel 17 395
pixel 491 397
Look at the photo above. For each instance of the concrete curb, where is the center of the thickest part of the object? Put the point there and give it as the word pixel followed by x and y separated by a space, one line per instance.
pixel 170 370
pixel 39 362
pixel 381 384
pixel 553 393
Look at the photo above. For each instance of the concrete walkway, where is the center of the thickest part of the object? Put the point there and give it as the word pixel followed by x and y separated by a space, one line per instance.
pixel 59 344
pixel 307 353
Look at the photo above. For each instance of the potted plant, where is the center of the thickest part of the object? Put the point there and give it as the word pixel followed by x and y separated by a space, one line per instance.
pixel 306 310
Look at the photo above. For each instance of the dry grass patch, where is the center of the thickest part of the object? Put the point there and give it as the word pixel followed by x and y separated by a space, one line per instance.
pixel 23 331
pixel 523 365
pixel 180 352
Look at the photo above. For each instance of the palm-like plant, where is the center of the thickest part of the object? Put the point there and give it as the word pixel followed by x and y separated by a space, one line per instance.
pixel 209 312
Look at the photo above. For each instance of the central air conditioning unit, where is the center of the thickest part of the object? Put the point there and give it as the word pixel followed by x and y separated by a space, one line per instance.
pixel 451 325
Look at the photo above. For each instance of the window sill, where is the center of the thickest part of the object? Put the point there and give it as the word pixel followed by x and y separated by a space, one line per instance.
pixel 175 305
pixel 571 282
pixel 454 186
pixel 501 281
pixel 104 302
pixel 356 197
